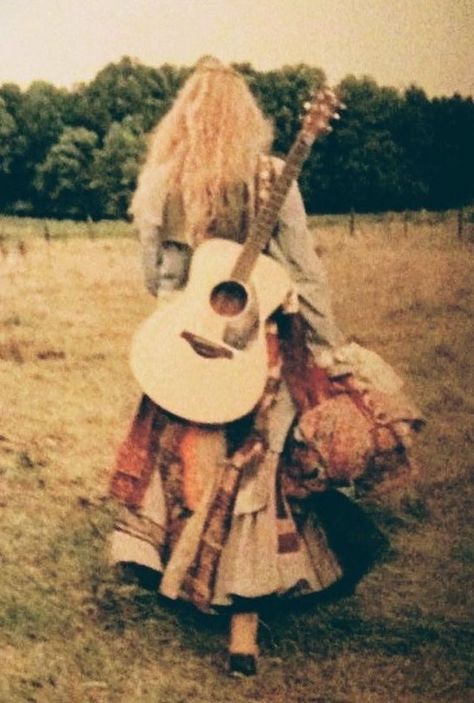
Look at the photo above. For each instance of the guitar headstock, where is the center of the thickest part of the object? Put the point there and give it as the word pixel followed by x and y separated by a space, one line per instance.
pixel 323 107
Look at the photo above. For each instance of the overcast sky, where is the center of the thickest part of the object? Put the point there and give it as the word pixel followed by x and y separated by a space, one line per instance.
pixel 398 42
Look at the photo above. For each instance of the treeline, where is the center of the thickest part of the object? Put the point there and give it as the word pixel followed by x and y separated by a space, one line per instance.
pixel 76 153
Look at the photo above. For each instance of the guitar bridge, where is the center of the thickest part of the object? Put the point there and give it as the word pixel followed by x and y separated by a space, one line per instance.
pixel 205 348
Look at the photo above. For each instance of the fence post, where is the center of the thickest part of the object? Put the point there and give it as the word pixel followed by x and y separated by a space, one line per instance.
pixel 90 227
pixel 3 244
pixel 460 222
pixel 352 223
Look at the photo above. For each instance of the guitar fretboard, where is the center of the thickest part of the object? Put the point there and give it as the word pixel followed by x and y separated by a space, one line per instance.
pixel 267 218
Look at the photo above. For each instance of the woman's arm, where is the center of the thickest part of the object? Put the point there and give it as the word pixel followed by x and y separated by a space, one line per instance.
pixel 147 209
pixel 293 246
pixel 150 238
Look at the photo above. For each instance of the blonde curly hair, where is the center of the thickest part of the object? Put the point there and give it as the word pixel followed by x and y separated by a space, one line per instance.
pixel 210 140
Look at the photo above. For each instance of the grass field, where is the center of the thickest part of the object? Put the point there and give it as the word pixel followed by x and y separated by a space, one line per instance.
pixel 71 632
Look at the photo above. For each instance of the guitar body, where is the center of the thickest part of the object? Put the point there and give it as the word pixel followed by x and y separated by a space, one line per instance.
pixel 203 364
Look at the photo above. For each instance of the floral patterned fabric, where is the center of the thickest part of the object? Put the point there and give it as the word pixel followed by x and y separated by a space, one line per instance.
pixel 354 424
pixel 345 432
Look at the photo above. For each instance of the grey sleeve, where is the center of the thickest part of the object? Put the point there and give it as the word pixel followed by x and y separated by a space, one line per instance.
pixel 151 238
pixel 293 246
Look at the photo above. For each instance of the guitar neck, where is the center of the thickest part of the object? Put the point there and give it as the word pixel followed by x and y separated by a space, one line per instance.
pixel 267 218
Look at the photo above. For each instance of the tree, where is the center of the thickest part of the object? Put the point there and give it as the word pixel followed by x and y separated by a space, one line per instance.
pixel 76 153
pixel 282 95
pixel 451 178
pixel 360 166
pixel 115 167
pixel 124 89
pixel 414 135
pixel 39 114
pixel 8 137
pixel 8 130
pixel 63 179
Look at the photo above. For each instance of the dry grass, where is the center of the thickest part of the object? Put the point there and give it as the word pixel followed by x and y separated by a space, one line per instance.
pixel 70 631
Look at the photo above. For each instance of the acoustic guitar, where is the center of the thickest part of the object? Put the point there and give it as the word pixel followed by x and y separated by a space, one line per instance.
pixel 203 356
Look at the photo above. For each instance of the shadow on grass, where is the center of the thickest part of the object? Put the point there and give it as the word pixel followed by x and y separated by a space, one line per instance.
pixel 333 628
pixel 324 625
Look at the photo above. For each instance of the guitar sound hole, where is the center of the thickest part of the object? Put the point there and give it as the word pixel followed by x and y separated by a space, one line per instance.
pixel 229 298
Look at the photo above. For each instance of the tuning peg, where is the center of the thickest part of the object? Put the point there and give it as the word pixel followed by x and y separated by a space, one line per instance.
pixel 329 93
pixel 321 125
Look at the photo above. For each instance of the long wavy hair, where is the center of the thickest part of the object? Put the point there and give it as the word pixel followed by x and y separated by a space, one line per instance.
pixel 210 140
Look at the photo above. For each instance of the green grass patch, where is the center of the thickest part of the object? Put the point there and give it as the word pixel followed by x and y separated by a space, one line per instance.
pixel 73 630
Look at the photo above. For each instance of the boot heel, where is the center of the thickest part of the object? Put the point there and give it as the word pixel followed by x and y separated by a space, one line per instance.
pixel 241 665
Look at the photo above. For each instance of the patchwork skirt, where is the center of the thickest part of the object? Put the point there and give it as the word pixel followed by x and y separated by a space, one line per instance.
pixel 268 549
pixel 254 508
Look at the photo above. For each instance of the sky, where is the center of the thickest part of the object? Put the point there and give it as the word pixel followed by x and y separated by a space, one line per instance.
pixel 397 42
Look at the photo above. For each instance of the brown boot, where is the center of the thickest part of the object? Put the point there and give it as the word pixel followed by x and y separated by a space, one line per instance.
pixel 243 649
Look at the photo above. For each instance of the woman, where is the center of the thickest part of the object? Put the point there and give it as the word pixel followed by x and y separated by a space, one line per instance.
pixel 232 513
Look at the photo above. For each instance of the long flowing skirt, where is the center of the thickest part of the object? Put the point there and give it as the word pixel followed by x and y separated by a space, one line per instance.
pixel 266 550
pixel 252 509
